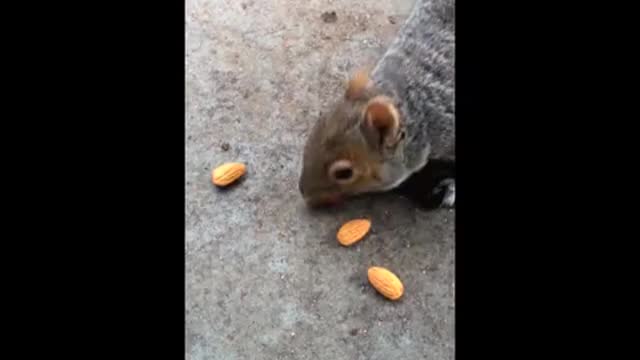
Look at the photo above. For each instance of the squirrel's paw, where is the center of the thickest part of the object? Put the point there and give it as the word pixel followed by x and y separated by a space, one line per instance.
pixel 447 189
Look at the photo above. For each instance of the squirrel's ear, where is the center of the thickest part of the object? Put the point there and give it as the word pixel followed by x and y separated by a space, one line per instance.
pixel 382 117
pixel 357 85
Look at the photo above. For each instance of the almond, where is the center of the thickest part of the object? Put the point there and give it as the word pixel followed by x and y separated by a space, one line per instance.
pixel 353 231
pixel 386 282
pixel 227 173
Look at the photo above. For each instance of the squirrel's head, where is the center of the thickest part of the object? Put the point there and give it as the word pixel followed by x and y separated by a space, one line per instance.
pixel 353 148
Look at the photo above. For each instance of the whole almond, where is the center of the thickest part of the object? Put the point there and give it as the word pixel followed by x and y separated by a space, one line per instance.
pixel 386 282
pixel 353 231
pixel 227 173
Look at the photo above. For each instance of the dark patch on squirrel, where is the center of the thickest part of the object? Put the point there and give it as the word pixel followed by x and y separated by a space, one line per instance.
pixel 419 187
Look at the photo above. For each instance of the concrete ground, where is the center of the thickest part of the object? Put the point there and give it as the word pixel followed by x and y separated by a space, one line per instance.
pixel 265 277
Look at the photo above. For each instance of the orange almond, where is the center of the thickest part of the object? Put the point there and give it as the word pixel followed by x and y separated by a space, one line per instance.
pixel 386 282
pixel 227 173
pixel 353 231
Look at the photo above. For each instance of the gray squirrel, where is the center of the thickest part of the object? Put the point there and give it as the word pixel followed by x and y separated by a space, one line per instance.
pixel 392 121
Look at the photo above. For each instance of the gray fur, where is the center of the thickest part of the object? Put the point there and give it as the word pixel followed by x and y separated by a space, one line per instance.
pixel 448 186
pixel 417 71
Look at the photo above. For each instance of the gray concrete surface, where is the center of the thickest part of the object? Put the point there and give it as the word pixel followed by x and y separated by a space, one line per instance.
pixel 265 277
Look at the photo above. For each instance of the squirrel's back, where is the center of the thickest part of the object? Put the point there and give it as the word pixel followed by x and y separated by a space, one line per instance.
pixel 418 72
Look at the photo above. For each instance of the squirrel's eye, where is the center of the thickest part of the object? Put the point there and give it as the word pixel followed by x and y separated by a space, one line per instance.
pixel 344 174
pixel 341 171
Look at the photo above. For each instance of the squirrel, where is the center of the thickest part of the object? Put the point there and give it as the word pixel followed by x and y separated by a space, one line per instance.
pixel 392 121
